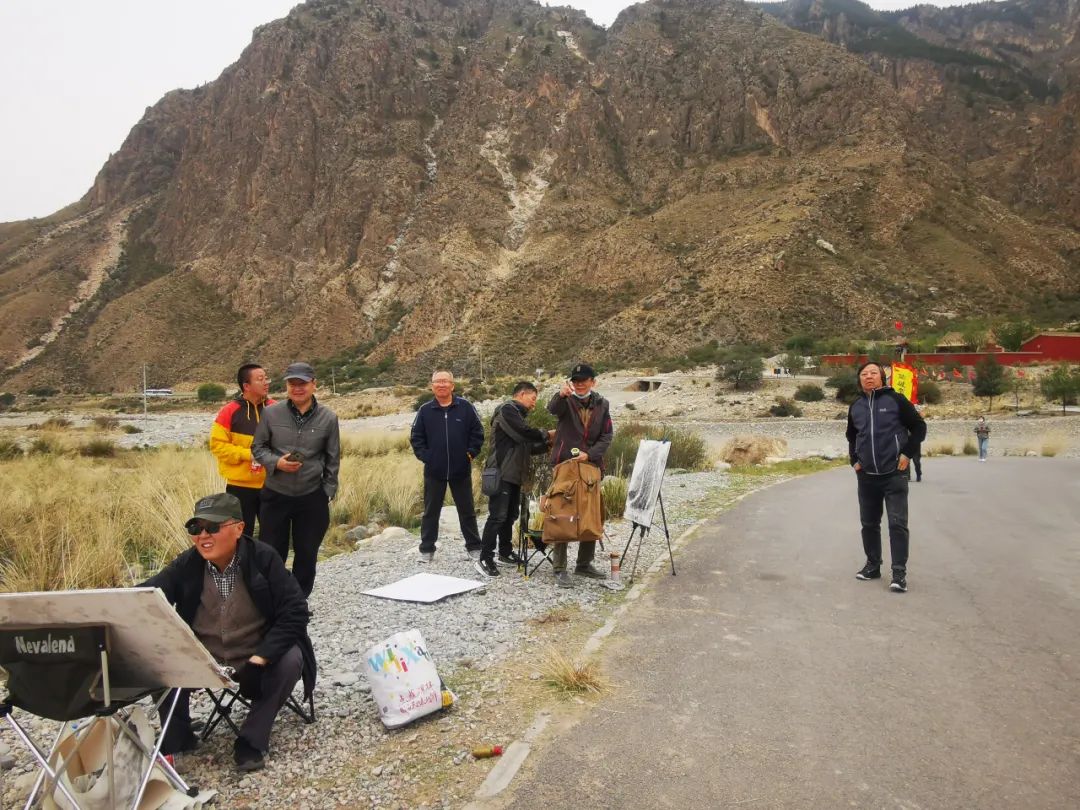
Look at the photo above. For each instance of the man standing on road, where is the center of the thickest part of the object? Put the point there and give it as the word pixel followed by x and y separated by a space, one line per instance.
pixel 299 443
pixel 447 434
pixel 881 430
pixel 584 433
pixel 231 435
pixel 513 441
pixel 982 433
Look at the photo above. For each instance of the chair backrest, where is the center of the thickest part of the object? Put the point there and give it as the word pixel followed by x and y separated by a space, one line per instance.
pixel 52 670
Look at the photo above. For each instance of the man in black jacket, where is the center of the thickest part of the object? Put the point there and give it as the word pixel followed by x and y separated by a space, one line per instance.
pixel 513 441
pixel 249 612
pixel 447 435
pixel 883 428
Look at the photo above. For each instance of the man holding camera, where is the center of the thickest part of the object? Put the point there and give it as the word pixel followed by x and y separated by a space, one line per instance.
pixel 243 606
pixel 584 433
pixel 298 442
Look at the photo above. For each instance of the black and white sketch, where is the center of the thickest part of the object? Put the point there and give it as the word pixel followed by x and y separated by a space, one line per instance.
pixel 645 481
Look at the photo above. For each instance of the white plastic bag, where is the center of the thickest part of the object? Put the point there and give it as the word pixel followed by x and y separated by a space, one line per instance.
pixel 403 678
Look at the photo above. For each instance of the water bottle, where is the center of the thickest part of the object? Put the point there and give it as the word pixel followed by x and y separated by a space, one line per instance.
pixel 485 751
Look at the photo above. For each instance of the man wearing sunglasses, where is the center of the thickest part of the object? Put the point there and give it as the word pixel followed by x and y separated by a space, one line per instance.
pixel 249 612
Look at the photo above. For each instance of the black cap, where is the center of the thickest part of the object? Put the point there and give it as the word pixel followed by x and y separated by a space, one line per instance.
pixel 218 508
pixel 582 371
pixel 300 371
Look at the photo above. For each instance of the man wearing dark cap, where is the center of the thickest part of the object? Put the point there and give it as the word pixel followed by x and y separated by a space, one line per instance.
pixel 241 603
pixel 584 433
pixel 299 444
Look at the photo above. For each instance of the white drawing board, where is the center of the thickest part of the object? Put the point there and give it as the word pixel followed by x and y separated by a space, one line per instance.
pixel 151 646
pixel 424 588
pixel 645 481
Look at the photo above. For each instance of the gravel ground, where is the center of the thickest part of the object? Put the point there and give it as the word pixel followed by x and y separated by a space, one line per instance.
pixel 481 641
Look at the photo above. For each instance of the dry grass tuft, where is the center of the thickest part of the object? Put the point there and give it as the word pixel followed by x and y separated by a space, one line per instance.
pixel 970 449
pixel 742 451
pixel 1053 444
pixel 940 448
pixel 559 615
pixel 568 677
pixel 367 445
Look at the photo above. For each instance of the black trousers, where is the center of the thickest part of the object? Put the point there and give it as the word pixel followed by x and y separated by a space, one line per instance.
pixel 277 684
pixel 891 493
pixel 434 494
pixel 503 509
pixel 306 518
pixel 249 504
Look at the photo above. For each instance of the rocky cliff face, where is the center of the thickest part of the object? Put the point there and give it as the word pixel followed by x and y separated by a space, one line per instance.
pixel 434 181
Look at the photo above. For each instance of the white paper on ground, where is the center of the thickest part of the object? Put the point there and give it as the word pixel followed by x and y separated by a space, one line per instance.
pixel 424 588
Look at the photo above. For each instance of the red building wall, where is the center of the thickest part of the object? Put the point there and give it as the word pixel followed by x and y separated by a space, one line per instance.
pixel 1055 348
pixel 959 359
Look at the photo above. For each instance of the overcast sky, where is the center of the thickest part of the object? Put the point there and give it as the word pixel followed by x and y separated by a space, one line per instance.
pixel 78 74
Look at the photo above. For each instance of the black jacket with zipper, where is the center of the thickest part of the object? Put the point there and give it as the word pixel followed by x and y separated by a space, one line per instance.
pixel 882 426
pixel 514 441
pixel 447 439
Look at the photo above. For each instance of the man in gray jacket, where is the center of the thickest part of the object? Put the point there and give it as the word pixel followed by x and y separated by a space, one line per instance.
pixel 882 431
pixel 513 441
pixel 299 444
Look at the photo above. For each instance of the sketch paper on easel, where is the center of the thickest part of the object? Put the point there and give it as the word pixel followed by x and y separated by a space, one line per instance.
pixel 645 481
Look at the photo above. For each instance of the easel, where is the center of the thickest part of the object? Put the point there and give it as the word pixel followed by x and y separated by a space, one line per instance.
pixel 131 643
pixel 643 493
pixel 642 531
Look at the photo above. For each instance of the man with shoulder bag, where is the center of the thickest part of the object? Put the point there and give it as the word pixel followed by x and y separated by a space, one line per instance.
pixel 513 442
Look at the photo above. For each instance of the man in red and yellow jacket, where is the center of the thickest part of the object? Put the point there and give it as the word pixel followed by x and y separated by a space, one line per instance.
pixel 230 440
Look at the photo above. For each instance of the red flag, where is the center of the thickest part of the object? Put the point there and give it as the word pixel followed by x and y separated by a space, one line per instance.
pixel 899 325
pixel 971 376
pixel 1019 372
pixel 956 373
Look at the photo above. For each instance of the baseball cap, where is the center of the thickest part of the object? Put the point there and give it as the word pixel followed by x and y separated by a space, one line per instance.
pixel 582 371
pixel 300 371
pixel 218 508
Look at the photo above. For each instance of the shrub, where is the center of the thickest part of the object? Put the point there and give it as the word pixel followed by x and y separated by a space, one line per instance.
pixel 210 392
pixel 808 392
pixel 9 449
pixel 613 490
pixel 45 446
pixel 969 447
pixel 940 449
pixel 42 391
pixel 7 399
pixel 98 448
pixel 427 396
pixel 742 451
pixel 930 392
pixel 1052 444
pixel 129 428
pixel 56 423
pixel 847 387
pixel 785 407
pixel 687 451
pixel 740 366
pixel 106 422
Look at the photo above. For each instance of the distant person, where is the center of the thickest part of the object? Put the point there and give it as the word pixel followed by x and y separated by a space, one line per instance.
pixel 238 599
pixel 231 435
pixel 299 443
pixel 584 433
pixel 982 433
pixel 882 428
pixel 446 436
pixel 513 441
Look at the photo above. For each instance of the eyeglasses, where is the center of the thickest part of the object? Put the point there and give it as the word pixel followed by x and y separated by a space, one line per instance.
pixel 197 527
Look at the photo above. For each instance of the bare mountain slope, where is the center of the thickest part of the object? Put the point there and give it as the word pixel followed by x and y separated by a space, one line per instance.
pixel 432 180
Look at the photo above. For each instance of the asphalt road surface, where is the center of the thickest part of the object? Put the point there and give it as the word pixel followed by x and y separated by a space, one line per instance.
pixel 765 675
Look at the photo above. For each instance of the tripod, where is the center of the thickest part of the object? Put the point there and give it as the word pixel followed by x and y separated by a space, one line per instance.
pixel 643 530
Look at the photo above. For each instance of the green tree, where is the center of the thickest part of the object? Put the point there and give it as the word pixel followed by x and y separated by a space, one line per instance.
pixel 990 380
pixel 846 385
pixel 7 399
pixel 210 392
pixel 794 362
pixel 740 366
pixel 1011 336
pixel 1060 384
pixel 801 344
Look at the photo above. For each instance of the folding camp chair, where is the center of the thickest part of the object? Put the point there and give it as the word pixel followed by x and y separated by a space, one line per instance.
pixel 62 673
pixel 224 700
pixel 529 543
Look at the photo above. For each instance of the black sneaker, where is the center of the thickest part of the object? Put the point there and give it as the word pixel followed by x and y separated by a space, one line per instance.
pixel 513 558
pixel 899 582
pixel 247 757
pixel 869 571
pixel 486 567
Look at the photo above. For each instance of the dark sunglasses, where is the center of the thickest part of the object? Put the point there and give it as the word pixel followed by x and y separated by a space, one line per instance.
pixel 197 527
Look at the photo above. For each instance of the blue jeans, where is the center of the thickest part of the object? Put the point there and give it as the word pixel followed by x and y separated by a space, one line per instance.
pixel 984 447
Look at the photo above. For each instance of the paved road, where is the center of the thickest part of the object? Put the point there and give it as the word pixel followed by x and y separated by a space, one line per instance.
pixel 765 676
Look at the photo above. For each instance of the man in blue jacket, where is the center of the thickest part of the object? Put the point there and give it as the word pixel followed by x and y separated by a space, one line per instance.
pixel 882 431
pixel 447 435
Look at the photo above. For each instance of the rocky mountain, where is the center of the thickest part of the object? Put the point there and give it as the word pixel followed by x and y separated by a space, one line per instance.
pixel 433 181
